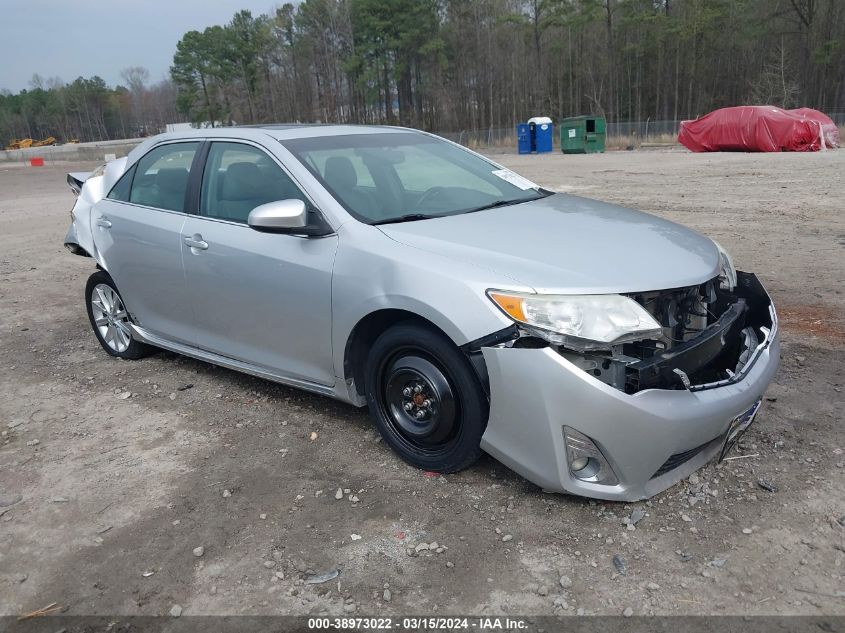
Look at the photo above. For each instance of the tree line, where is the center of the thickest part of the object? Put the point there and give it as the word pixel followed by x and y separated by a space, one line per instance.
pixel 474 64
pixel 447 65
pixel 87 109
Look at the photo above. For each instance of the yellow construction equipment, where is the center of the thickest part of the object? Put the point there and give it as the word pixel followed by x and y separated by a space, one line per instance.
pixel 22 143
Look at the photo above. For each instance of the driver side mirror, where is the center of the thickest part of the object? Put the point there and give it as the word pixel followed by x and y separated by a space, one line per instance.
pixel 280 216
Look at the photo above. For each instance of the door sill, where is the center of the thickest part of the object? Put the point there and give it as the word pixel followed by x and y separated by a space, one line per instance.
pixel 229 363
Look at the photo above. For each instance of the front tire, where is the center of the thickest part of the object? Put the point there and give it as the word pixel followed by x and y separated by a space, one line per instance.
pixel 110 319
pixel 425 398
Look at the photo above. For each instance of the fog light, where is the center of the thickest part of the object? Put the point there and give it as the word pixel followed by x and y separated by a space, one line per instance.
pixel 579 463
pixel 586 461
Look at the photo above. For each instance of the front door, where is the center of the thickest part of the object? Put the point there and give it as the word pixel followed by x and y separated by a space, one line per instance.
pixel 262 298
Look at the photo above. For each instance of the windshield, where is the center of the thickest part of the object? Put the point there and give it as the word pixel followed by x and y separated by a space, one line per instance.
pixel 395 177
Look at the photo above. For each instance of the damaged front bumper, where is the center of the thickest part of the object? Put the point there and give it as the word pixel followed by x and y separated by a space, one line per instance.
pixel 650 439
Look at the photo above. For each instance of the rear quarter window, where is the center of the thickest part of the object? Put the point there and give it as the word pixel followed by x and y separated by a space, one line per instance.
pixel 121 189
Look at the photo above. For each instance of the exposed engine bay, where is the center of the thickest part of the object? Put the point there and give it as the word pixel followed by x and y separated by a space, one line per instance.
pixel 710 335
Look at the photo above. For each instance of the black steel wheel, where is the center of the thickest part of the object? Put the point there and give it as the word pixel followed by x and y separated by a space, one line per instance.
pixel 425 398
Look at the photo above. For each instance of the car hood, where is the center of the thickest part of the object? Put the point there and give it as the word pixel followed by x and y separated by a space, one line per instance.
pixel 570 245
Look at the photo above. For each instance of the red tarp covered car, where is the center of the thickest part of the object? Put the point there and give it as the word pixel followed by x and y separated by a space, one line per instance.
pixel 759 129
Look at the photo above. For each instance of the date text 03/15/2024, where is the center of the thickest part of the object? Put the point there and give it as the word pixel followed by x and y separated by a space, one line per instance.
pixel 419 623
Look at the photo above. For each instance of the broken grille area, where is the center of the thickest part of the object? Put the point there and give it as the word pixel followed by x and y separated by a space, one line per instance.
pixel 709 337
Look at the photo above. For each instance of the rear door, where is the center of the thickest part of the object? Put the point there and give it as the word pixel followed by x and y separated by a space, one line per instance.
pixel 137 232
pixel 263 298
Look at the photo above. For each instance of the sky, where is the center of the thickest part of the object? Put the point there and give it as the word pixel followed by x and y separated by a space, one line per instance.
pixel 72 38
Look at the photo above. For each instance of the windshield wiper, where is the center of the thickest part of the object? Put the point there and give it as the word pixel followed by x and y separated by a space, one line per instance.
pixel 501 203
pixel 409 217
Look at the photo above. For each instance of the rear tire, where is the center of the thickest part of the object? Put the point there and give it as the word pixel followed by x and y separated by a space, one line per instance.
pixel 110 320
pixel 425 398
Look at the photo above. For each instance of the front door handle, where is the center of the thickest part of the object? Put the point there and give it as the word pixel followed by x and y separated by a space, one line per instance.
pixel 103 222
pixel 196 241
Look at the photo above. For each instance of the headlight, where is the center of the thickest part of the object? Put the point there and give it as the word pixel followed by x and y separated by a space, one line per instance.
pixel 727 275
pixel 579 321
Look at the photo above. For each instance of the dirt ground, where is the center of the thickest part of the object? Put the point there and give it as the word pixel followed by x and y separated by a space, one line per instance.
pixel 124 468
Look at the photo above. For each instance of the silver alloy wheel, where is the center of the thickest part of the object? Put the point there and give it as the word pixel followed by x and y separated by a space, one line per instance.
pixel 110 318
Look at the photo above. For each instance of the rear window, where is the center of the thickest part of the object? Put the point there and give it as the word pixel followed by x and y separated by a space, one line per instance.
pixel 161 176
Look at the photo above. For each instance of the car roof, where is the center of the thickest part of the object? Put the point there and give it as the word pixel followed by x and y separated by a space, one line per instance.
pixel 289 131
pixel 260 133
pixel 283 131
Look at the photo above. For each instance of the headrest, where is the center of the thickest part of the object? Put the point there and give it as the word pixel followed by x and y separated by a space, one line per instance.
pixel 340 173
pixel 243 181
pixel 172 179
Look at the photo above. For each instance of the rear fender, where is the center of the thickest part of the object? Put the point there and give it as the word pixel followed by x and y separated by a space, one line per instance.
pixel 80 239
pixel 89 189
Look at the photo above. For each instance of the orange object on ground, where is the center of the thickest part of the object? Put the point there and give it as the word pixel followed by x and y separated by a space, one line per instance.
pixel 37 161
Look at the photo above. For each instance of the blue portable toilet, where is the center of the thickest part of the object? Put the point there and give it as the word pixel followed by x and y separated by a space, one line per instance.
pixel 524 138
pixel 543 133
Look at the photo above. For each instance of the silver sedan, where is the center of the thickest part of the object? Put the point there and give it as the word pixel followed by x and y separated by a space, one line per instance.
pixel 593 349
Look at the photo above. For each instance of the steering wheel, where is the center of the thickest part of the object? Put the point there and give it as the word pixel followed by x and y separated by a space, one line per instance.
pixel 428 196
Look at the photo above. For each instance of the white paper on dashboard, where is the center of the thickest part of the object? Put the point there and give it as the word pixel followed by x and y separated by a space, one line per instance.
pixel 515 179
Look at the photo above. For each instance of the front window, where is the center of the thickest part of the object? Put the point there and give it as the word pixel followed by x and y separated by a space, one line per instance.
pixel 239 178
pixel 390 177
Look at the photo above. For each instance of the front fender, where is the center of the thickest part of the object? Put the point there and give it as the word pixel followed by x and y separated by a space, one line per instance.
pixel 373 272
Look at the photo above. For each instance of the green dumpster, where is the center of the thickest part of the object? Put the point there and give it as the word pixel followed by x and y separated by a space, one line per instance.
pixel 582 134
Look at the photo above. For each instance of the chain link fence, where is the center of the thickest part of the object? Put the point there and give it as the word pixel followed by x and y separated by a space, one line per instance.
pixel 491 137
pixel 617 133
pixel 620 133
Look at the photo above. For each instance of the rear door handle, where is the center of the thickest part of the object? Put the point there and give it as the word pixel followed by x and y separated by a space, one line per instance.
pixel 103 222
pixel 196 242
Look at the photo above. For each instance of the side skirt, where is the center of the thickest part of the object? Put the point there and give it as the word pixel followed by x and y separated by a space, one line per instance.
pixel 230 363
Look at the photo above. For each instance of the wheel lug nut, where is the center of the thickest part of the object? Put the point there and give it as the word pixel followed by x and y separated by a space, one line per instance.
pixel 417 389
pixel 419 414
pixel 408 406
pixel 407 392
pixel 426 404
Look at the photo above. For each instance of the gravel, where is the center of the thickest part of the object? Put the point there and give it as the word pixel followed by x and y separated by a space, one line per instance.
pixel 7 500
pixel 179 455
pixel 620 564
